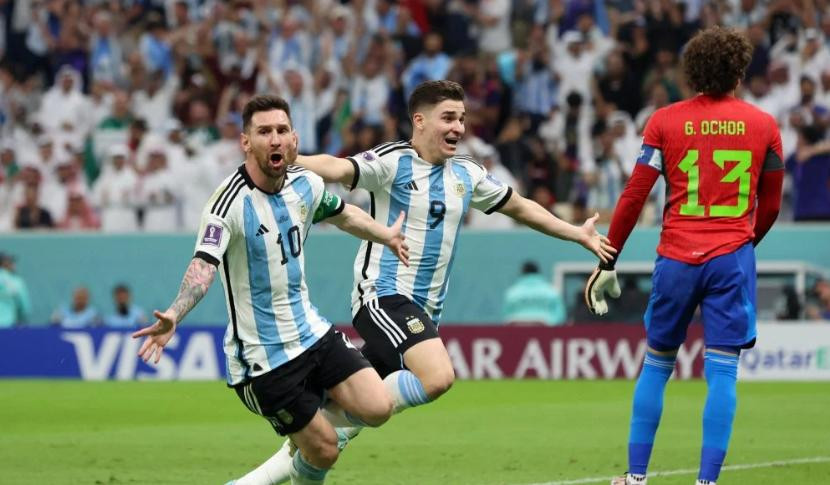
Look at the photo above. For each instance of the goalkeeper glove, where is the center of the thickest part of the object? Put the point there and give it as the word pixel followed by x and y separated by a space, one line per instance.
pixel 603 280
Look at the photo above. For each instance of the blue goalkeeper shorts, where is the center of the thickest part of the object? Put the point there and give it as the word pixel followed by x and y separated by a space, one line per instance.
pixel 724 287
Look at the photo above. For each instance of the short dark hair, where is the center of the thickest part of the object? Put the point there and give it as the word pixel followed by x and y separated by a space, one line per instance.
pixel 121 287
pixel 430 93
pixel 263 102
pixel 530 267
pixel 716 59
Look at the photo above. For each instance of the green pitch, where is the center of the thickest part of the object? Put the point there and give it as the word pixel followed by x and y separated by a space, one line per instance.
pixel 481 433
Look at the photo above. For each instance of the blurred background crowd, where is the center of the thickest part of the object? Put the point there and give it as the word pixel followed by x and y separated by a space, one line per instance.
pixel 124 115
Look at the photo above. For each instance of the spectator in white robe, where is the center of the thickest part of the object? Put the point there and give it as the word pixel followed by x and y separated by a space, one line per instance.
pixel 114 192
pixel 158 193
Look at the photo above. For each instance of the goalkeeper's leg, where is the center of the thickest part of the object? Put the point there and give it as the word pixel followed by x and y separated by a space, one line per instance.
pixel 648 407
pixel 720 367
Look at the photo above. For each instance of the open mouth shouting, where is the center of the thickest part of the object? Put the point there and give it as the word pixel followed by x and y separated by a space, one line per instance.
pixel 276 160
pixel 451 142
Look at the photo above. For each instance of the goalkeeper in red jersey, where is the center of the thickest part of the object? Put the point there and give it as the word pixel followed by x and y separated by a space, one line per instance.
pixel 722 162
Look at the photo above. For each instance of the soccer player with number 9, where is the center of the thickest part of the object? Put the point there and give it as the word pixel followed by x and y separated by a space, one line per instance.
pixel 721 159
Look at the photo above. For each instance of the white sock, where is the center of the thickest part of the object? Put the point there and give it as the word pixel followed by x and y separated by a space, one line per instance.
pixel 304 473
pixel 274 471
pixel 406 390
pixel 633 479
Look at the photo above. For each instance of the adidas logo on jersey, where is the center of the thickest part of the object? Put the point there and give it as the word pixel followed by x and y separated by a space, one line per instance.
pixel 262 230
pixel 411 185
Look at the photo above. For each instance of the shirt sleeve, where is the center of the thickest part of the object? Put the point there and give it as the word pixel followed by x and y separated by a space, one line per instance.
pixel 371 172
pixel 490 193
pixel 213 237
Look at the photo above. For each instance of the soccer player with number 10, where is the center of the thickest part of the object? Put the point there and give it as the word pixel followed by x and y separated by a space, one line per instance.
pixel 721 159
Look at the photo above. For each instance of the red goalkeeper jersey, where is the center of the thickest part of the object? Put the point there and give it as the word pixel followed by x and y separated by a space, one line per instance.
pixel 711 152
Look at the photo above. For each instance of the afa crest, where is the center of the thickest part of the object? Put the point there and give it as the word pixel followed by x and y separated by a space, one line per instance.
pixel 285 416
pixel 303 211
pixel 415 325
pixel 459 189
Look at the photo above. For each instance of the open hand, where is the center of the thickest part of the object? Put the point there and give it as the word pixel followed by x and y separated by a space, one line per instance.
pixel 595 242
pixel 157 335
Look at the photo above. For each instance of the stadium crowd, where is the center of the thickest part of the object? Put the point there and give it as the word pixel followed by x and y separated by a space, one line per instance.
pixel 122 115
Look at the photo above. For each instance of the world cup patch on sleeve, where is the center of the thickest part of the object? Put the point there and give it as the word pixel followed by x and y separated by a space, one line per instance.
pixel 213 235
pixel 493 180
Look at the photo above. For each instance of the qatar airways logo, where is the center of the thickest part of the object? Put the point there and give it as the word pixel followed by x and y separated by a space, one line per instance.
pixel 786 359
pixel 574 358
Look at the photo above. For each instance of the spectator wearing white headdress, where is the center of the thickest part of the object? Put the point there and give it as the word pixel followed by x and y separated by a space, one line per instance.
pixel 154 100
pixel 114 192
pixel 158 192
pixel 63 107
pixel 815 56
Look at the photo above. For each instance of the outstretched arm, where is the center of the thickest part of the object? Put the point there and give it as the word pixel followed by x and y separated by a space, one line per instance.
pixel 361 225
pixel 332 169
pixel 604 278
pixel 195 284
pixel 537 217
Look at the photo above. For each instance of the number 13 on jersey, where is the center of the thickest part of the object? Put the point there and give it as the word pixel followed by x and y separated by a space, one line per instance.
pixel 739 173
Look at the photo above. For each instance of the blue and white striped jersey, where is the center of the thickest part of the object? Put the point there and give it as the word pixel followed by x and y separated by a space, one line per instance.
pixel 435 198
pixel 256 238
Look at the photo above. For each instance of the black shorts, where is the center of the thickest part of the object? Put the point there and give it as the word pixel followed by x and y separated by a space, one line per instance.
pixel 391 325
pixel 290 395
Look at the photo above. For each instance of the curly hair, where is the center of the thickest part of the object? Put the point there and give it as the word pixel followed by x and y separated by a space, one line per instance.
pixel 716 59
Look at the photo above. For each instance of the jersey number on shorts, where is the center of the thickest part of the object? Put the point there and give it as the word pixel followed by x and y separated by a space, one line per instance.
pixel 739 173
pixel 294 244
pixel 437 209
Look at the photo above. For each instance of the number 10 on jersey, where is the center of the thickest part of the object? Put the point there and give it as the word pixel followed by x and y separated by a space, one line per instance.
pixel 739 173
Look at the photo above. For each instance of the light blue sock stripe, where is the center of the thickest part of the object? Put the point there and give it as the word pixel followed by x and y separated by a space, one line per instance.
pixel 420 393
pixel 657 363
pixel 411 389
pixel 721 358
pixel 308 470
pixel 668 359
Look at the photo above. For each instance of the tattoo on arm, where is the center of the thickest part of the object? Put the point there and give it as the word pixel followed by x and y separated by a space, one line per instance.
pixel 194 286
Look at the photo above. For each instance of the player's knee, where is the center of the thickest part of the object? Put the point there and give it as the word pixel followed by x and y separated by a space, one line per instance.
pixel 322 453
pixel 438 382
pixel 379 412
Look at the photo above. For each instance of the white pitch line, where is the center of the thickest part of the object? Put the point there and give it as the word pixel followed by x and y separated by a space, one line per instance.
pixel 691 471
